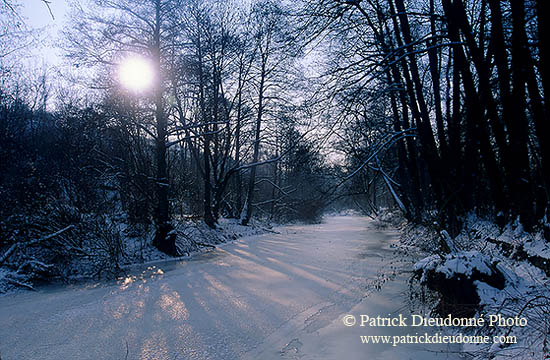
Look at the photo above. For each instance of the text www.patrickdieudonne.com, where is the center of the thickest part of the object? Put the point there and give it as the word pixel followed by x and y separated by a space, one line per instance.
pixel 437 338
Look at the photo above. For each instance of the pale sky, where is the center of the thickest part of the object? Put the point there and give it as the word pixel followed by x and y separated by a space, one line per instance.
pixel 37 15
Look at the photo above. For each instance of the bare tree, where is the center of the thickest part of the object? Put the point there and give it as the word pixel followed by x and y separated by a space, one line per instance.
pixel 270 31
pixel 106 32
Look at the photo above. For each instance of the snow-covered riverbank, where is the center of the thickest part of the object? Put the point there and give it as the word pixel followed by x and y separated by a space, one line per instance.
pixel 505 271
pixel 269 296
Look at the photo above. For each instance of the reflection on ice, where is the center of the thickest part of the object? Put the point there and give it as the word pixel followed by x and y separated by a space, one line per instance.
pixel 248 300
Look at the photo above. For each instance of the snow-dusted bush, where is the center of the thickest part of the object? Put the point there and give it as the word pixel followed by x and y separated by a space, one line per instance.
pixel 504 271
pixel 90 245
pixel 453 276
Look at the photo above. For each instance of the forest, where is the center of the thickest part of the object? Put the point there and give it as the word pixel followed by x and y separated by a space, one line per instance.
pixel 167 111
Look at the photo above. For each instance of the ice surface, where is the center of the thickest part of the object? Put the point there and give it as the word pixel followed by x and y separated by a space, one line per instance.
pixel 272 296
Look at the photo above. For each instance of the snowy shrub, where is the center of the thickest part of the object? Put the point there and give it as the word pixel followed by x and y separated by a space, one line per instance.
pixel 454 276
pixel 501 270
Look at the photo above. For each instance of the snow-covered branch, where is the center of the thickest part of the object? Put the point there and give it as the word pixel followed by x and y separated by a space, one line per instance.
pixel 17 246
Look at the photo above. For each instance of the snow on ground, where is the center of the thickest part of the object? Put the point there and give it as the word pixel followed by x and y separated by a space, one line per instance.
pixel 462 263
pixel 279 295
pixel 192 237
pixel 113 249
pixel 276 296
pixel 526 294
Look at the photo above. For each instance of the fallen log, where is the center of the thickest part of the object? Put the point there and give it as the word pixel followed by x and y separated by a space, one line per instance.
pixel 17 246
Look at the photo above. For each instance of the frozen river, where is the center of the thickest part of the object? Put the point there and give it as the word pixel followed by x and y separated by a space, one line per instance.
pixel 274 296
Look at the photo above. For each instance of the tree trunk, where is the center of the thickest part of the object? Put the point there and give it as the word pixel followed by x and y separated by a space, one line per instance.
pixel 428 147
pixel 457 15
pixel 238 175
pixel 256 155
pixel 477 134
pixel 164 240
pixel 519 129
pixel 208 218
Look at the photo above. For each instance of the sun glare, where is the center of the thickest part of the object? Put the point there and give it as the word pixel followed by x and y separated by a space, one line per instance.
pixel 136 74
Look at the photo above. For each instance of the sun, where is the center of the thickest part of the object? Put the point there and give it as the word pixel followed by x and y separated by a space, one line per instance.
pixel 136 74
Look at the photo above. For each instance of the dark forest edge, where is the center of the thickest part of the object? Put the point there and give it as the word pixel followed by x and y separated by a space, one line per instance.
pixel 470 76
